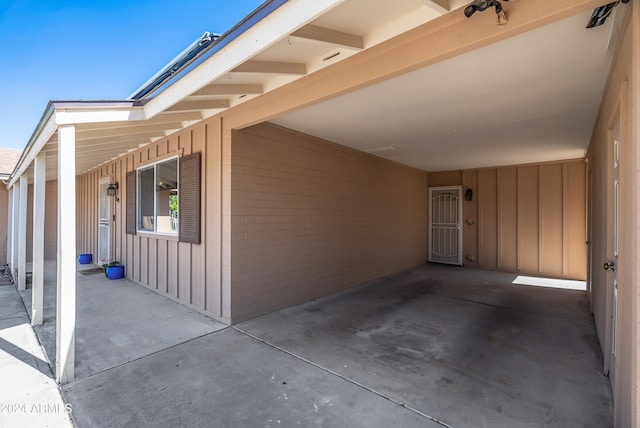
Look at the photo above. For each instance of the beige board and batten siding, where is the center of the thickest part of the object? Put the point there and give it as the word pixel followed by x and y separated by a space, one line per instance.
pixel 50 221
pixel 188 273
pixel 50 229
pixel 310 218
pixel 526 219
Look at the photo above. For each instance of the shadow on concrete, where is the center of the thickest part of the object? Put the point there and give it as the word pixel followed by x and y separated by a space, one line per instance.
pixel 28 392
pixel 25 356
pixel 116 321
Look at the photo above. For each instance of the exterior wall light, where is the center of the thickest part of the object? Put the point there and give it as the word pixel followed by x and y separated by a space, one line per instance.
pixel 112 189
pixel 468 195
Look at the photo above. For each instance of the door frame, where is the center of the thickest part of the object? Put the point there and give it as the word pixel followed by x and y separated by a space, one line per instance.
pixel 459 261
pixel 102 181
pixel 613 253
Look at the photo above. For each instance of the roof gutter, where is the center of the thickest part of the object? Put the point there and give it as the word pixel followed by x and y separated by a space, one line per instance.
pixel 201 50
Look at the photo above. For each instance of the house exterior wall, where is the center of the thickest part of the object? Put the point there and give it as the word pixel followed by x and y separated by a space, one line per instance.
pixel 621 100
pixel 526 219
pixel 310 218
pixel 147 256
pixel 287 218
pixel 187 273
pixel 50 221
pixel 4 217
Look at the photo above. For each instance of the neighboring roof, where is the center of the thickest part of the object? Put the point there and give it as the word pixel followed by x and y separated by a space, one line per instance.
pixel 8 160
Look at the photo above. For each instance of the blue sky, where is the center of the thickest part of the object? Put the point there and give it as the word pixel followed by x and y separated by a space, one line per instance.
pixel 59 50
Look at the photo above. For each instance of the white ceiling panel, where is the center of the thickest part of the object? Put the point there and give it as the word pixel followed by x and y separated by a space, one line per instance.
pixel 530 98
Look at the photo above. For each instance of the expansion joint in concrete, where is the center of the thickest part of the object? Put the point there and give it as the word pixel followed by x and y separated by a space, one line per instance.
pixel 159 351
pixel 354 382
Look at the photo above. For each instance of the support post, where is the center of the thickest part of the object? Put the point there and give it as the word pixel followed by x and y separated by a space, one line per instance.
pixel 22 234
pixel 9 225
pixel 37 283
pixel 66 286
pixel 14 228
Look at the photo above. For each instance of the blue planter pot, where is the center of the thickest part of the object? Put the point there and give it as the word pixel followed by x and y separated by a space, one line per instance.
pixel 85 259
pixel 114 272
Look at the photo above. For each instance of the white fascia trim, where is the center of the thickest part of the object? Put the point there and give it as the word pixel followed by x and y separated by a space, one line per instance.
pixel 45 134
pixel 280 23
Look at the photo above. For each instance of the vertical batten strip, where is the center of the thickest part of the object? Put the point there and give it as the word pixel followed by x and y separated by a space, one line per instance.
pixel 499 220
pixel 519 180
pixel 565 219
pixel 517 219
pixel 480 219
pixel 540 222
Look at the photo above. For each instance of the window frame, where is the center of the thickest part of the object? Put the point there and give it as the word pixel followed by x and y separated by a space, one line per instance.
pixel 153 165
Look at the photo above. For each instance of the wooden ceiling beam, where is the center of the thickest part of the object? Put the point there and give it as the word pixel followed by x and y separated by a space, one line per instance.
pixel 271 67
pixel 159 120
pixel 332 37
pixel 213 90
pixel 122 131
pixel 200 105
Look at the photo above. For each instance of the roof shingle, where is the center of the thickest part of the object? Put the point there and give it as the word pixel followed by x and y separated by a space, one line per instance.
pixel 8 160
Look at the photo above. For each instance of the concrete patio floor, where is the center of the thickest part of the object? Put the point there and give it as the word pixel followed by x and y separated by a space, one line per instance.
pixel 430 347
pixel 467 347
pixel 29 396
pixel 116 321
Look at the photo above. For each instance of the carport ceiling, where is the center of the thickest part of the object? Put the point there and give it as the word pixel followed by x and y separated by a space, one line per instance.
pixel 531 98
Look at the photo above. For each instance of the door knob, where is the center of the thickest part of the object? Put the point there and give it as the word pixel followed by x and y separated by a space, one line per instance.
pixel 609 266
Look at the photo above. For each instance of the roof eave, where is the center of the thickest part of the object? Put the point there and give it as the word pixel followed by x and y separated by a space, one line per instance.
pixel 254 36
pixel 72 112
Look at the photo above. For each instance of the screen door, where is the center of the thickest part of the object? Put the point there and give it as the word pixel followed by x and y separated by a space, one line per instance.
pixel 104 222
pixel 445 227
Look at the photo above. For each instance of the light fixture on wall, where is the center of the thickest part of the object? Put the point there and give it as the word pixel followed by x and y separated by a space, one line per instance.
pixel 482 5
pixel 112 189
pixel 468 195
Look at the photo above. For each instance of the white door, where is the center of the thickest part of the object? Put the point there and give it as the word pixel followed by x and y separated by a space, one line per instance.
pixel 104 222
pixel 612 265
pixel 445 227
